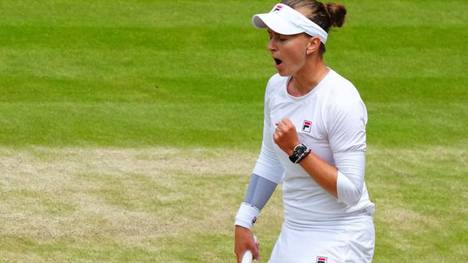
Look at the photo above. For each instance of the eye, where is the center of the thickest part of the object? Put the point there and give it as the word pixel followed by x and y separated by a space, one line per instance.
pixel 277 37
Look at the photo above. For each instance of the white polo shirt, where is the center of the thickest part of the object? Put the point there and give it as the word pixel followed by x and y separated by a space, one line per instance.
pixel 331 120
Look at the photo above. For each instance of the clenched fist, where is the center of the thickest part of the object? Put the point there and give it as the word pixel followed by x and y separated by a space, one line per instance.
pixel 285 136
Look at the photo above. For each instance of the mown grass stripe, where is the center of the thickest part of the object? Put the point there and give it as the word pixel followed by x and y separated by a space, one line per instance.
pixel 209 37
pixel 114 192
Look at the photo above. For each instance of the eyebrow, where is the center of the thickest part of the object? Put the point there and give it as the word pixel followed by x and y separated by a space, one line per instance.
pixel 273 32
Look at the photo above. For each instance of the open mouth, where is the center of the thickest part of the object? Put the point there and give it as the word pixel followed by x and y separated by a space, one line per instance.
pixel 277 61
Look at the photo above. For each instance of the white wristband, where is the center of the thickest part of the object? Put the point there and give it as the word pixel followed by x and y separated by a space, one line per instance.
pixel 247 215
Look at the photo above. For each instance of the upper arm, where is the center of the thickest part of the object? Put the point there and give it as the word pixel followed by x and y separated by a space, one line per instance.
pixel 268 165
pixel 347 138
pixel 347 126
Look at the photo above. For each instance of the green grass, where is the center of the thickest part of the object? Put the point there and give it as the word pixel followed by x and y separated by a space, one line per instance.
pixel 66 66
pixel 140 74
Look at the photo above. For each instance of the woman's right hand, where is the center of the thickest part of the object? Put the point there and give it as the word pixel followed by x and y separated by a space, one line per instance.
pixel 244 241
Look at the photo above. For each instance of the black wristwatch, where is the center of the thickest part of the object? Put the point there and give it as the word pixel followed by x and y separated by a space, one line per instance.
pixel 299 153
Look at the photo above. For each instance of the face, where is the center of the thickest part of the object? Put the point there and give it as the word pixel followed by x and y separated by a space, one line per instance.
pixel 288 52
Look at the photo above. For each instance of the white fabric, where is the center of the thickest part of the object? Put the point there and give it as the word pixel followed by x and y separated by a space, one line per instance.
pixel 286 21
pixel 267 164
pixel 349 241
pixel 350 181
pixel 246 215
pixel 337 118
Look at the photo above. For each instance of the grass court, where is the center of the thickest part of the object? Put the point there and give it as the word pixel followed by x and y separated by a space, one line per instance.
pixel 129 128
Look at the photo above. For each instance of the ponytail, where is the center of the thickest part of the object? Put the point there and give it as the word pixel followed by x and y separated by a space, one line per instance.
pixel 337 14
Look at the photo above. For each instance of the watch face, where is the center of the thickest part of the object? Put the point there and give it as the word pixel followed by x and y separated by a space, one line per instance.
pixel 301 148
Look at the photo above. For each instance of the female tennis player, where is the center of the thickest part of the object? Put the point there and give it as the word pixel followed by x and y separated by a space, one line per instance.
pixel 314 143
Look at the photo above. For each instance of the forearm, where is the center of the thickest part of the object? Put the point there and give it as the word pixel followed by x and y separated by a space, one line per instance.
pixel 258 193
pixel 323 173
pixel 345 181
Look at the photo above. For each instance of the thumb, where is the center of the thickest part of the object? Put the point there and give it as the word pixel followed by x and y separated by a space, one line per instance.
pixel 256 249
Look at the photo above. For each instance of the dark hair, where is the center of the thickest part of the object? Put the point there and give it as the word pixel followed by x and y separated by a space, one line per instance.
pixel 325 15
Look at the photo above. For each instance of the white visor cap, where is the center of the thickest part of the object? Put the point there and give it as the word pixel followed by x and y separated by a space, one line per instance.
pixel 286 21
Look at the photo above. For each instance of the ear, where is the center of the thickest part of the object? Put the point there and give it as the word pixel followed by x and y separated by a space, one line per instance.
pixel 313 45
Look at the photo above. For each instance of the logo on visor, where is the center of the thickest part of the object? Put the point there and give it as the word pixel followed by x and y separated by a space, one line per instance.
pixel 322 260
pixel 277 8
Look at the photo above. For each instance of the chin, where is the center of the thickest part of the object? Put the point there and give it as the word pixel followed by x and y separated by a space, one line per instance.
pixel 283 74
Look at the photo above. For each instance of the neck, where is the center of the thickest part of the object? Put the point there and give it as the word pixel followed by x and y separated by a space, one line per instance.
pixel 303 81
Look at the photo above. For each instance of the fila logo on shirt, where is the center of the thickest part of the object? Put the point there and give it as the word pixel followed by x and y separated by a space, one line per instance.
pixel 307 126
pixel 322 260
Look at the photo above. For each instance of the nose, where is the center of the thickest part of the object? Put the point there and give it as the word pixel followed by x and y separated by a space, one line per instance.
pixel 271 45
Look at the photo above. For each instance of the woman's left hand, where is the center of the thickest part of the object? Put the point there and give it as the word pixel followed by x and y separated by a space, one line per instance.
pixel 285 136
